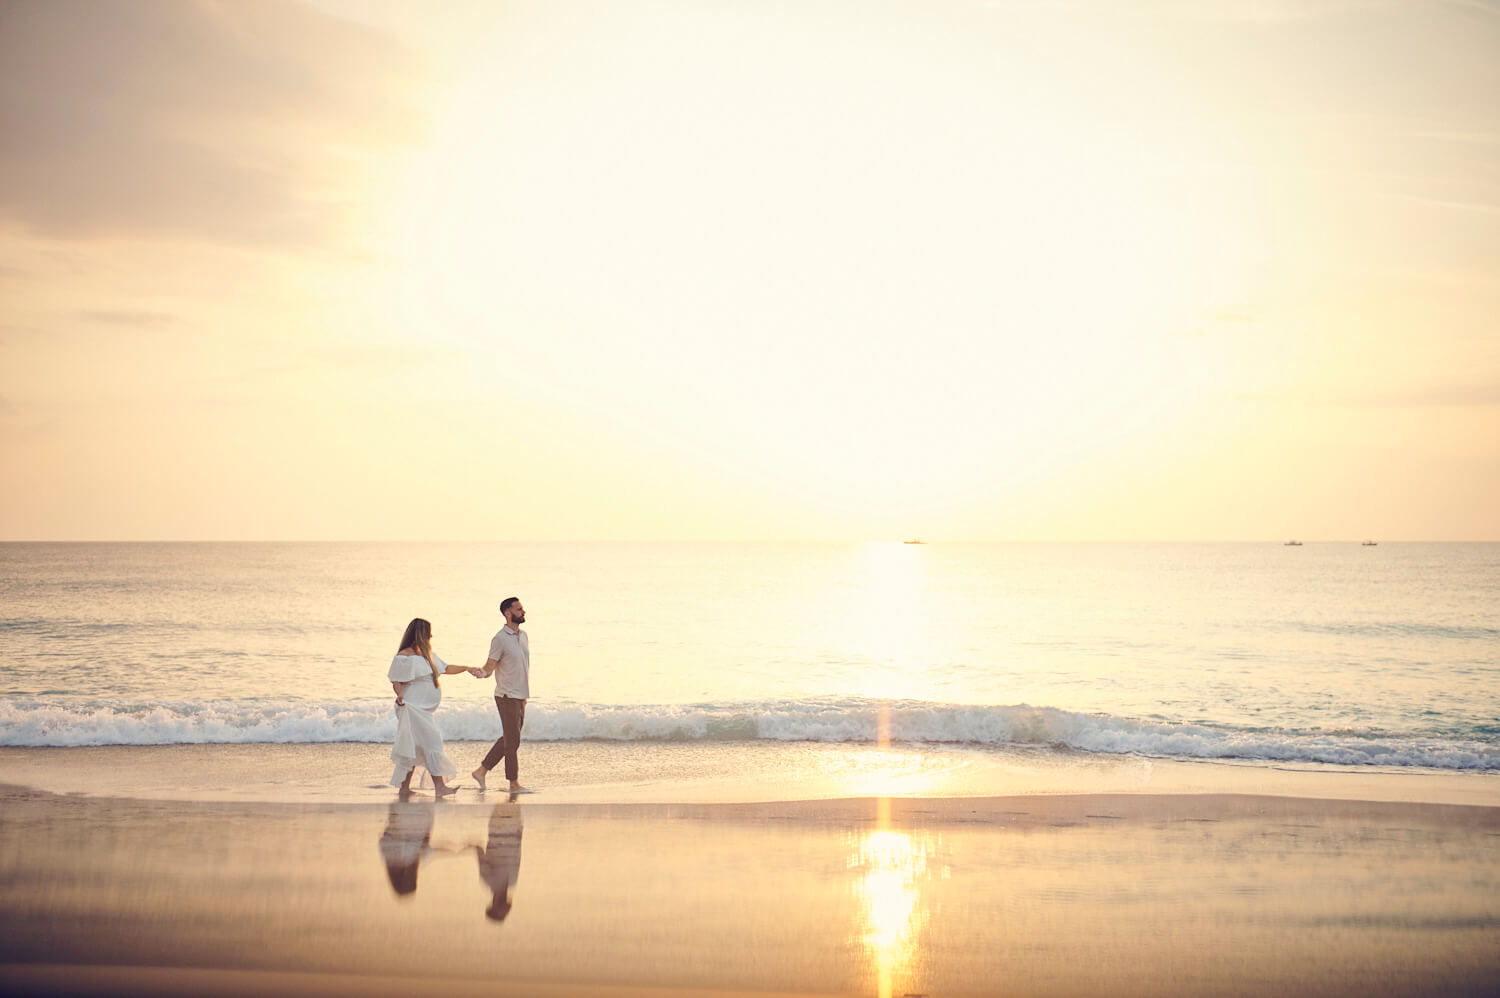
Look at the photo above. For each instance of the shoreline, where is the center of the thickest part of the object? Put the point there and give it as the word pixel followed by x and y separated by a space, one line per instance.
pixel 1017 811
pixel 705 773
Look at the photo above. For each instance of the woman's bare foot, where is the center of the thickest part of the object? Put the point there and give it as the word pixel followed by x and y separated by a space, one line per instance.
pixel 443 789
pixel 479 775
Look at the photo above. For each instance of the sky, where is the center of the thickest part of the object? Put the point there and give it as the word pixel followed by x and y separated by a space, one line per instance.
pixel 814 270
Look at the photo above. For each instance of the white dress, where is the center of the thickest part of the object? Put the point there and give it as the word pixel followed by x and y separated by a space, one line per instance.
pixel 418 741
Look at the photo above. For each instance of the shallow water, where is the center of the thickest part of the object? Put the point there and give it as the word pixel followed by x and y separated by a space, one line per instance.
pixel 1333 653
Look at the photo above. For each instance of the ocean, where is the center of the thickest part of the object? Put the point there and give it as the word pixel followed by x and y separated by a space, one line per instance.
pixel 1326 654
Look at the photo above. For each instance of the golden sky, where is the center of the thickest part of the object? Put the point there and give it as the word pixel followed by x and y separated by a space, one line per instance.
pixel 681 269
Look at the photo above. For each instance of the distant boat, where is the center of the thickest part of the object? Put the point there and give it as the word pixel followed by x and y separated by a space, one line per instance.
pixel 1369 544
pixel 1292 544
pixel 914 540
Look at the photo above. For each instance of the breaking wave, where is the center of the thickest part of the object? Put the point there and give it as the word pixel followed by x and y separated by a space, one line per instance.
pixel 60 721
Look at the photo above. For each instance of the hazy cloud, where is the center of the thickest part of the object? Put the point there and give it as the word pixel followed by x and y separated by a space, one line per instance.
pixel 128 317
pixel 1471 137
pixel 1446 395
pixel 1236 314
pixel 229 122
pixel 1477 207
pixel 1226 315
pixel 1441 396
pixel 388 358
pixel 1306 10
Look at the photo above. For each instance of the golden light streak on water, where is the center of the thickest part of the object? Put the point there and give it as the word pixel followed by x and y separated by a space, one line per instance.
pixel 889 864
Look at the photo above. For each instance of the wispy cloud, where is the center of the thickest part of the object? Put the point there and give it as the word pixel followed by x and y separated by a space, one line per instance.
pixel 1477 207
pixel 351 360
pixel 136 318
pixel 1480 138
pixel 1489 7
pixel 1217 318
pixel 1463 395
pixel 1454 395
pixel 1236 10
pixel 389 358
pixel 222 122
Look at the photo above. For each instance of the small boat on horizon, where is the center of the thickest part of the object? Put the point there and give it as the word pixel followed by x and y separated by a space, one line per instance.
pixel 1292 544
pixel 1369 544
pixel 914 540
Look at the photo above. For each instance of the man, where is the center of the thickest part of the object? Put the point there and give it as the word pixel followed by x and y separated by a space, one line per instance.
pixel 510 662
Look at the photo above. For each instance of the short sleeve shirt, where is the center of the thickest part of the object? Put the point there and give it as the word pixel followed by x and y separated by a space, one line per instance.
pixel 413 669
pixel 512 650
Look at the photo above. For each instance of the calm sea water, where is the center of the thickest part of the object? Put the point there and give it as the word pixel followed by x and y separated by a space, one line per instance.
pixel 1339 653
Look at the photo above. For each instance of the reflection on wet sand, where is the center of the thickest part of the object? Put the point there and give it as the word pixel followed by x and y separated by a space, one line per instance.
pixel 406 843
pixel 500 858
pixel 408 830
pixel 890 868
pixel 1130 896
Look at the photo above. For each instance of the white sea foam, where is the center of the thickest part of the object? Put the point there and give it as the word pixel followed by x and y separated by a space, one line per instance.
pixel 48 721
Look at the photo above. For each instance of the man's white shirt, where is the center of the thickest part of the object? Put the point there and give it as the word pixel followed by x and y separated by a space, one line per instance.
pixel 512 650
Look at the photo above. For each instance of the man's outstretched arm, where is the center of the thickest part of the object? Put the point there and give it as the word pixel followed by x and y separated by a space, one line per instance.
pixel 486 670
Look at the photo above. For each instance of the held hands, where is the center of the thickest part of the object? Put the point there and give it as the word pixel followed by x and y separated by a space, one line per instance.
pixel 477 673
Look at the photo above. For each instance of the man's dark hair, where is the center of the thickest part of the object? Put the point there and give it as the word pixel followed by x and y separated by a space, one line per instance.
pixel 509 602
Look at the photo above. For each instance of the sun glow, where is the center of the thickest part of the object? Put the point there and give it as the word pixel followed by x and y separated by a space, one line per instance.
pixel 865 357
pixel 886 620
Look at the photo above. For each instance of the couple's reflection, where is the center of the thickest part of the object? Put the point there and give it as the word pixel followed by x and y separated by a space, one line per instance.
pixel 407 840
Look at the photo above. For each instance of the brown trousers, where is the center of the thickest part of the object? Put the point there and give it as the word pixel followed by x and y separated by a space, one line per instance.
pixel 512 716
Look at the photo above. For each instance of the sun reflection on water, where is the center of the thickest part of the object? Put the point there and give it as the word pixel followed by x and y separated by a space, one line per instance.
pixel 890 867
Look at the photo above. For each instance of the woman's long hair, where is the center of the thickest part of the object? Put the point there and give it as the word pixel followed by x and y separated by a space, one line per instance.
pixel 419 636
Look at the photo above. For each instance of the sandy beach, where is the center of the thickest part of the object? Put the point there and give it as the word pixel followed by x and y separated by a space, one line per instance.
pixel 1053 894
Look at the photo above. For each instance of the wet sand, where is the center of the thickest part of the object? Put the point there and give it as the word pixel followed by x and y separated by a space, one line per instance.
pixel 1122 894
pixel 705 772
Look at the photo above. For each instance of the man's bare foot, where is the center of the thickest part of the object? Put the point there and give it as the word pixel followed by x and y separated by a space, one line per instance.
pixel 479 775
pixel 516 788
pixel 444 789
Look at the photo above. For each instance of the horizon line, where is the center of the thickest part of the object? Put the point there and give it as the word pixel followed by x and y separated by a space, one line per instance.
pixel 737 540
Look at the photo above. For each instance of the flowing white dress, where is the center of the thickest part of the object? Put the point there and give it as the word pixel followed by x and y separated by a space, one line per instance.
pixel 418 741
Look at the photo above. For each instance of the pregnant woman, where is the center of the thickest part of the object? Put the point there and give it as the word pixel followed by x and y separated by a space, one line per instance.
pixel 414 676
